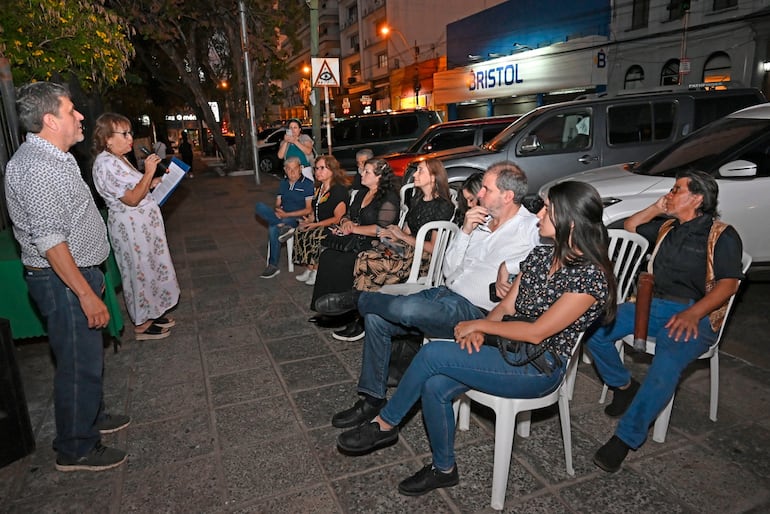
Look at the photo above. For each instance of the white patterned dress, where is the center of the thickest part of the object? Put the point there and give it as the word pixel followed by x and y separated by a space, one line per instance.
pixel 138 238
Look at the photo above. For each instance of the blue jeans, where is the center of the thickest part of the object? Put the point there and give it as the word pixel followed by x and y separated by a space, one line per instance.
pixel 433 312
pixel 79 359
pixel 267 213
pixel 671 358
pixel 442 370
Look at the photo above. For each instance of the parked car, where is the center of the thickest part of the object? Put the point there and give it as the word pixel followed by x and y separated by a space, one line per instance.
pixel 383 133
pixel 556 140
pixel 268 149
pixel 735 150
pixel 450 134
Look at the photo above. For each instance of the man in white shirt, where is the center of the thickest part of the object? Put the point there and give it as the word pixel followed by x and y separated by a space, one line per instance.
pixel 500 230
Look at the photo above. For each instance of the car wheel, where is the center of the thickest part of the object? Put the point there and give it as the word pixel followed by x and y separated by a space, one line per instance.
pixel 268 164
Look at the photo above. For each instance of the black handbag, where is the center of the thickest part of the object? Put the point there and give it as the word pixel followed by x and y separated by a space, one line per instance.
pixel 351 243
pixel 527 353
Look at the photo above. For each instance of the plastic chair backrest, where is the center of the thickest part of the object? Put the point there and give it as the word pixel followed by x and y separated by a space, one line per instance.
pixel 406 196
pixel 444 232
pixel 745 264
pixel 626 251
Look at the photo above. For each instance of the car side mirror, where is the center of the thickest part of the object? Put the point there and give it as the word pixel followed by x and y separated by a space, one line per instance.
pixel 739 168
pixel 530 144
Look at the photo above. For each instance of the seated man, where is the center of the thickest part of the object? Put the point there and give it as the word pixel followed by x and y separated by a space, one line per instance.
pixel 697 267
pixel 500 229
pixel 293 201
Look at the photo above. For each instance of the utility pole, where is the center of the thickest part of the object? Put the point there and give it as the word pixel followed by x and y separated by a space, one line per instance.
pixel 249 89
pixel 315 105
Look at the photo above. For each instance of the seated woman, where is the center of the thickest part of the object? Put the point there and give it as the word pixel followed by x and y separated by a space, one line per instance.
pixel 560 291
pixel 470 192
pixel 390 260
pixel 374 207
pixel 329 205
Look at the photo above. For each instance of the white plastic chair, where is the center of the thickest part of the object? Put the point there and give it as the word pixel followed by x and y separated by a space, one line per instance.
pixel 444 232
pixel 661 423
pixel 506 411
pixel 289 252
pixel 405 194
pixel 626 251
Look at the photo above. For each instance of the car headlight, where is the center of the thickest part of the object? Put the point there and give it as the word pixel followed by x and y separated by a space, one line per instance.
pixel 606 202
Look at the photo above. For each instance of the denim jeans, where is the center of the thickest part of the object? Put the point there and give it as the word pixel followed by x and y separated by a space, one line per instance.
pixel 433 312
pixel 671 358
pixel 79 359
pixel 267 213
pixel 442 370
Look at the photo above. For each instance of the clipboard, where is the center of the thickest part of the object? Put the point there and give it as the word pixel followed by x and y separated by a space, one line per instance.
pixel 177 169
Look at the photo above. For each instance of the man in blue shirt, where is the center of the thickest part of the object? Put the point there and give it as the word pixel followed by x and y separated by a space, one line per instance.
pixel 293 201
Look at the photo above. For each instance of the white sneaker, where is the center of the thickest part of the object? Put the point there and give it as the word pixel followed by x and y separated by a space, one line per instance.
pixel 302 277
pixel 311 281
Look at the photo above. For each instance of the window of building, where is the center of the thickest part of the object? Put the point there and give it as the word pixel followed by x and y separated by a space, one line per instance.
pixel 634 77
pixel 641 14
pixel 382 61
pixel 676 9
pixel 717 68
pixel 669 75
pixel 354 43
pixel 724 4
pixel 353 12
pixel 355 68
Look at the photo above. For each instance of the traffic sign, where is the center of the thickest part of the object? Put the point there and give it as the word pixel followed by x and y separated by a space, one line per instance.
pixel 325 71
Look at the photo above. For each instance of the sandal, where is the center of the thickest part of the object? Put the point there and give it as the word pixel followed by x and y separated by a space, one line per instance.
pixel 153 332
pixel 164 322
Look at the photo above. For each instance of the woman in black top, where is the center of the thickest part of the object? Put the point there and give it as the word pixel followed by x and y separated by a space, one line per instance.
pixel 374 207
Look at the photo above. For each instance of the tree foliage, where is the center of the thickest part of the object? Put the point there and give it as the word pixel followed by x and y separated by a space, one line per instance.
pixel 42 38
pixel 193 45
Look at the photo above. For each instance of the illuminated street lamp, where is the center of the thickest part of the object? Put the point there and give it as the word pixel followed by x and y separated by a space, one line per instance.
pixel 386 31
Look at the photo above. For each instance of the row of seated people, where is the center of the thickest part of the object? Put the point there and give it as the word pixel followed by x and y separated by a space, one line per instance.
pixel 559 291
pixel 356 239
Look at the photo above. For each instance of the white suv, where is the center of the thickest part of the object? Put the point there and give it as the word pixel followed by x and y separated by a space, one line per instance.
pixel 734 149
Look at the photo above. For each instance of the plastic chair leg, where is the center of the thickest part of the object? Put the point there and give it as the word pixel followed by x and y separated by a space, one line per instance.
pixel 714 401
pixel 290 253
pixel 524 423
pixel 566 433
pixel 661 423
pixel 463 413
pixel 504 423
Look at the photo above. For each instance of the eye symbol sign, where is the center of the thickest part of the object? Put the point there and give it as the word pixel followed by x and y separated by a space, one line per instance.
pixel 325 75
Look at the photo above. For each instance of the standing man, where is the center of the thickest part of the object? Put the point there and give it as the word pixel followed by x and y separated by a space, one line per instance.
pixel 63 241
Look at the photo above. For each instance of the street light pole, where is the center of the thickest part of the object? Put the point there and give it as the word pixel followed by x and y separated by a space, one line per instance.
pixel 249 89
pixel 315 106
pixel 416 86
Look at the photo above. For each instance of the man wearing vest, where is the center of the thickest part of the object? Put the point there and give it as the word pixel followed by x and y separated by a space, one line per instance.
pixel 697 267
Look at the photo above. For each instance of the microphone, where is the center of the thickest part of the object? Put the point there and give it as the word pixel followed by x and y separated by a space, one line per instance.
pixel 161 169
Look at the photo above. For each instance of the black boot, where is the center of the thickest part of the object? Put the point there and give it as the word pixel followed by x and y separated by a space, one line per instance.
pixel 621 399
pixel 610 456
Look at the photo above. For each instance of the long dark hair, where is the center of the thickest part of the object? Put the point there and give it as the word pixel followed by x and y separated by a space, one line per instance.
pixel 576 213
pixel 440 186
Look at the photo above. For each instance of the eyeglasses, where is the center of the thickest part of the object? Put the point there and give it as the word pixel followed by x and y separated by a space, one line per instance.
pixel 320 168
pixel 125 133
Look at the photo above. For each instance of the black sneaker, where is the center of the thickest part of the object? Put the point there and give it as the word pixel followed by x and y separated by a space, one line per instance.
pixel 285 233
pixel 366 438
pixel 112 423
pixel 610 456
pixel 428 479
pixel 621 400
pixel 352 332
pixel 270 271
pixel 361 412
pixel 100 458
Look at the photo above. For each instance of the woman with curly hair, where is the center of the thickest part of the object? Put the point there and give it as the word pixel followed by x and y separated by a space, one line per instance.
pixel 375 207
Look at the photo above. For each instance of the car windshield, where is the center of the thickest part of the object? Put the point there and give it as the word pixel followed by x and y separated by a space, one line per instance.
pixel 415 147
pixel 498 142
pixel 707 148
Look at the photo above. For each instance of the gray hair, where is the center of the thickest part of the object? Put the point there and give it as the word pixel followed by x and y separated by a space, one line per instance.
pixel 35 100
pixel 510 178
pixel 365 152
pixel 293 158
